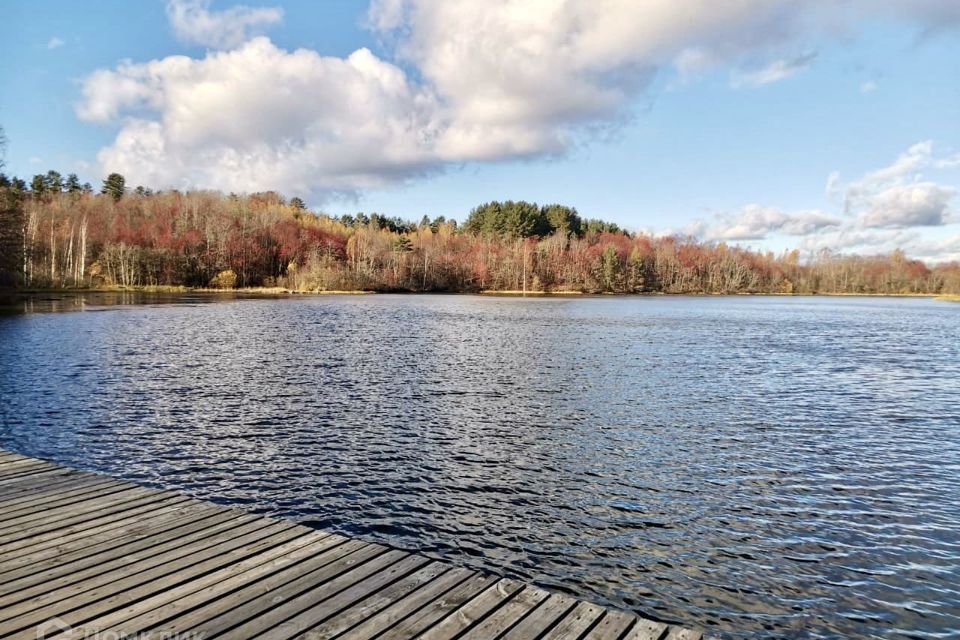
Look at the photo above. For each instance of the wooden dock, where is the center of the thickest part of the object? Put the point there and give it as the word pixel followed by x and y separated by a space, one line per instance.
pixel 83 555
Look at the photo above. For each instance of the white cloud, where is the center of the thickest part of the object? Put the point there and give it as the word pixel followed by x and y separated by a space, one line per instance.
pixel 756 222
pixel 937 250
pixel 869 86
pixel 951 162
pixel 866 241
pixel 911 205
pixel 774 72
pixel 474 80
pixel 538 69
pixel 193 22
pixel 887 208
pixel 897 196
pixel 259 117
pixel 55 43
pixel 907 164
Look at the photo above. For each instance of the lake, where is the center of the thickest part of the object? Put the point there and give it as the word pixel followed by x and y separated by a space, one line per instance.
pixel 757 466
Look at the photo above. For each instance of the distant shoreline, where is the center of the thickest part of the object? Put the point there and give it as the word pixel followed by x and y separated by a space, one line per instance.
pixel 507 293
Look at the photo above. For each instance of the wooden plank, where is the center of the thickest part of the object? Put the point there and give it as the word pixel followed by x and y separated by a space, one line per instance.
pixel 51 491
pixel 137 610
pixel 25 473
pixel 542 618
pixel 612 625
pixel 473 611
pixel 68 499
pixel 27 614
pixel 681 633
pixel 92 529
pixel 416 622
pixel 405 606
pixel 647 630
pixel 575 623
pixel 90 510
pixel 368 607
pixel 207 583
pixel 10 491
pixel 72 584
pixel 19 466
pixel 508 615
pixel 320 607
pixel 40 557
pixel 20 580
pixel 274 608
pixel 228 611
pixel 112 495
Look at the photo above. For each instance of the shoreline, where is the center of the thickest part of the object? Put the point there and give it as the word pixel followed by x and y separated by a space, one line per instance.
pixel 505 293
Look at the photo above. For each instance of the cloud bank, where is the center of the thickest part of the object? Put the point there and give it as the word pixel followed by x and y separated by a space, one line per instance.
pixel 880 211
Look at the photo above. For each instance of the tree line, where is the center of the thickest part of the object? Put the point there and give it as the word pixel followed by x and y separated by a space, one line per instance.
pixel 56 232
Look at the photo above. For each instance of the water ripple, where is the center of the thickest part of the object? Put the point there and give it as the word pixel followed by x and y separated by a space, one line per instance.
pixel 756 466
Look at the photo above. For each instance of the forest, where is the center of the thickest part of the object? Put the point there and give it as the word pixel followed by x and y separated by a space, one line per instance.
pixel 58 233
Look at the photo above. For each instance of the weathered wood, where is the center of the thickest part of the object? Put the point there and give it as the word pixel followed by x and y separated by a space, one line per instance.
pixel 375 603
pixel 43 607
pixel 498 622
pixel 437 610
pixel 613 625
pixel 575 623
pixel 274 609
pixel 542 618
pixel 647 630
pixel 92 530
pixel 406 606
pixel 51 493
pixel 474 610
pixel 132 611
pixel 328 602
pixel 150 541
pixel 41 558
pixel 102 556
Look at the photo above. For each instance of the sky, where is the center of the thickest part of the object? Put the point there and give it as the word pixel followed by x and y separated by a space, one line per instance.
pixel 770 124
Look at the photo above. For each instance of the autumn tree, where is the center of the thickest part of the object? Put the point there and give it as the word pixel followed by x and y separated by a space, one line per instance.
pixel 11 222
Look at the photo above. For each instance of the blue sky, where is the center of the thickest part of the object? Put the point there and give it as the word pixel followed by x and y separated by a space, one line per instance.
pixel 728 126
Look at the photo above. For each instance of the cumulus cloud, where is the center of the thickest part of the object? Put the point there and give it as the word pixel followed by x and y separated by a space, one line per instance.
pixel 194 22
pixel 55 43
pixel 937 250
pixel 885 209
pixel 757 222
pixel 866 241
pixel 259 117
pixel 540 68
pixel 774 72
pixel 912 205
pixel 907 165
pixel 475 80
pixel 897 196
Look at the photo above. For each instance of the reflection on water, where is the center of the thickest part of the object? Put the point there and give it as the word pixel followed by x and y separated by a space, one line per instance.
pixel 756 466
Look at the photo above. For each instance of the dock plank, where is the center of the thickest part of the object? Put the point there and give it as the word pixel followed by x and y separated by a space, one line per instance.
pixel 97 555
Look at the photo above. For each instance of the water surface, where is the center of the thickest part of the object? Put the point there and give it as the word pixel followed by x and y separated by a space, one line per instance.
pixel 756 466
